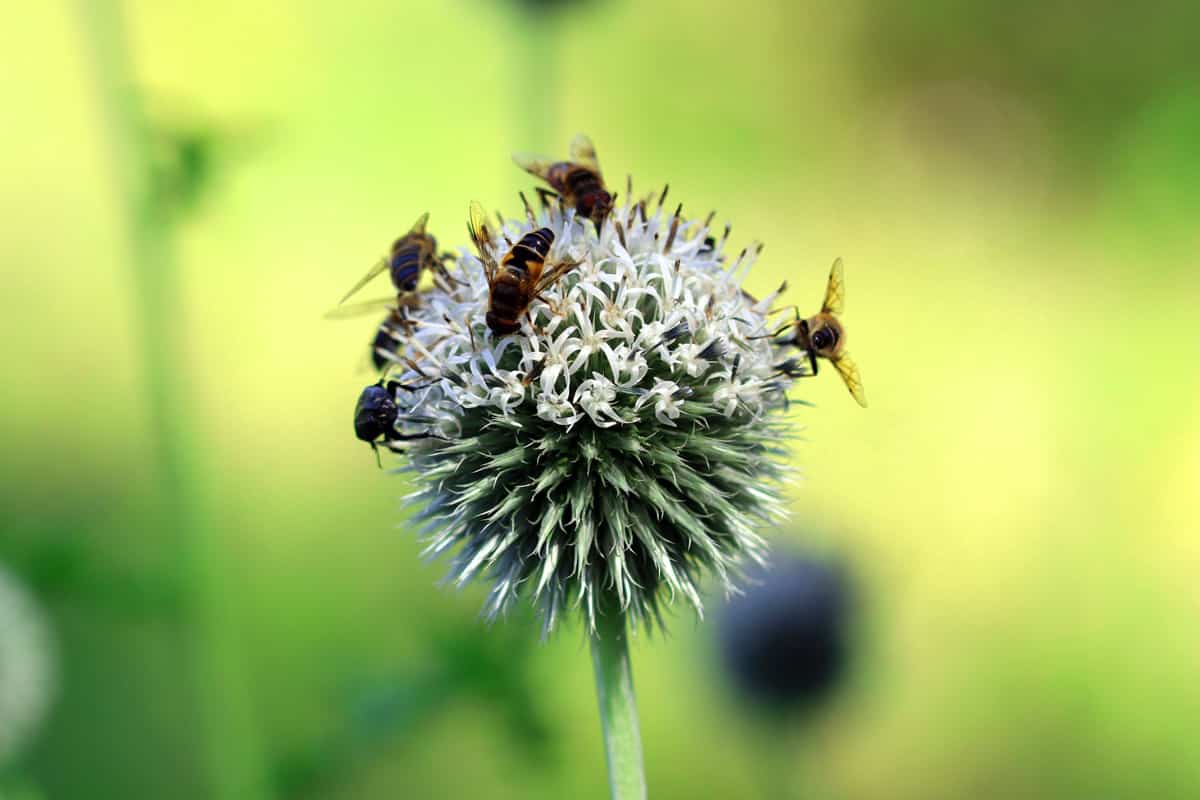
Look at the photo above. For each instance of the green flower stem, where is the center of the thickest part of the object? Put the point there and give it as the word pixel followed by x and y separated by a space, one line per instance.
pixel 232 763
pixel 537 111
pixel 618 707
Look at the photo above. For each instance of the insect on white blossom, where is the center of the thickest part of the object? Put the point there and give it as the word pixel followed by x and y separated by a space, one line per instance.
pixel 617 446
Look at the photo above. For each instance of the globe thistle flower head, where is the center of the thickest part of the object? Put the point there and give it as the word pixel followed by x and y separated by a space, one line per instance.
pixel 618 446
pixel 784 642
pixel 26 668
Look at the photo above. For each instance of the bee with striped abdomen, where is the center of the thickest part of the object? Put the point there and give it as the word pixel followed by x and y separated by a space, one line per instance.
pixel 411 254
pixel 578 181
pixel 521 275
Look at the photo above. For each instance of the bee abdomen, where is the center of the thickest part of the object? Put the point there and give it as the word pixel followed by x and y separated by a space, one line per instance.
pixel 506 296
pixel 532 248
pixel 406 267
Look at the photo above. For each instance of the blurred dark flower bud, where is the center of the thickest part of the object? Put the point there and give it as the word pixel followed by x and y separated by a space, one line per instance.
pixel 785 641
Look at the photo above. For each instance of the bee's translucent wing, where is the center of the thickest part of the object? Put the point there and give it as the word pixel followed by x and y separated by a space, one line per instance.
pixel 534 164
pixel 418 227
pixel 849 372
pixel 584 152
pixel 358 309
pixel 374 272
pixel 835 292
pixel 480 229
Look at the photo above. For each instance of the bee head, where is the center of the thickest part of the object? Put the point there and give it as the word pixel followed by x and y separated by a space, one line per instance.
pixel 602 207
pixel 825 336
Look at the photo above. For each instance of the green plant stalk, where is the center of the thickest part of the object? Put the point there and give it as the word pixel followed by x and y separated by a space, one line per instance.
pixel 232 763
pixel 618 707
pixel 537 110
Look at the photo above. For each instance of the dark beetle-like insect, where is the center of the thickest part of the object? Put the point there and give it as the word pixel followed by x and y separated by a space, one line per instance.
pixel 376 413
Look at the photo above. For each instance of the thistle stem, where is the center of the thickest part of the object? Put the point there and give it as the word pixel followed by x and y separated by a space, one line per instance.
pixel 618 708
pixel 232 756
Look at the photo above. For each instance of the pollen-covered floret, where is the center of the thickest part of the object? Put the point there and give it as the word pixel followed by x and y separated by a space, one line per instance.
pixel 621 443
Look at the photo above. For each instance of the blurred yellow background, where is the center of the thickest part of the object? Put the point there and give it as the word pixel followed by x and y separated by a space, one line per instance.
pixel 1014 190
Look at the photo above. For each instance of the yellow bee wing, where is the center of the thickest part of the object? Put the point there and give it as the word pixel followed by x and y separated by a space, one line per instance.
pixel 835 292
pixel 418 227
pixel 534 164
pixel 849 372
pixel 374 272
pixel 480 229
pixel 584 152
pixel 358 309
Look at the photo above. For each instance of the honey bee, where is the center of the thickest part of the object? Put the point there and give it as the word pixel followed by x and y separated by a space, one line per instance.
pixel 519 278
pixel 578 181
pixel 823 335
pixel 411 254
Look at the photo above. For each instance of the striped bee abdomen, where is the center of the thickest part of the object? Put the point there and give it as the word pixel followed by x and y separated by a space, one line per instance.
pixel 406 265
pixel 531 249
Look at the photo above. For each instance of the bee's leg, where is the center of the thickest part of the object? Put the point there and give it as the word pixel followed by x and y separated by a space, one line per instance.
pixel 375 449
pixel 781 329
pixel 533 323
pixel 554 309
pixel 446 276
pixel 544 193
pixel 560 269
pixel 392 386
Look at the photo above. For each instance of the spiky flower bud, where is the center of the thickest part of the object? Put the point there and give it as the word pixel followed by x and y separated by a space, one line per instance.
pixel 617 447
pixel 785 641
pixel 26 668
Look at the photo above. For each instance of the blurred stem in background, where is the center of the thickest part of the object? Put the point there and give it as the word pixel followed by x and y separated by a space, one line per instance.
pixel 231 759
pixel 538 94
pixel 618 707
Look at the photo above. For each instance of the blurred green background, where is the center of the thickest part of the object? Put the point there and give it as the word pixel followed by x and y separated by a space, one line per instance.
pixel 1014 188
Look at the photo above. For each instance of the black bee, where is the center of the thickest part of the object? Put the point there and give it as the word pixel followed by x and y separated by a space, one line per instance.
pixel 376 413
